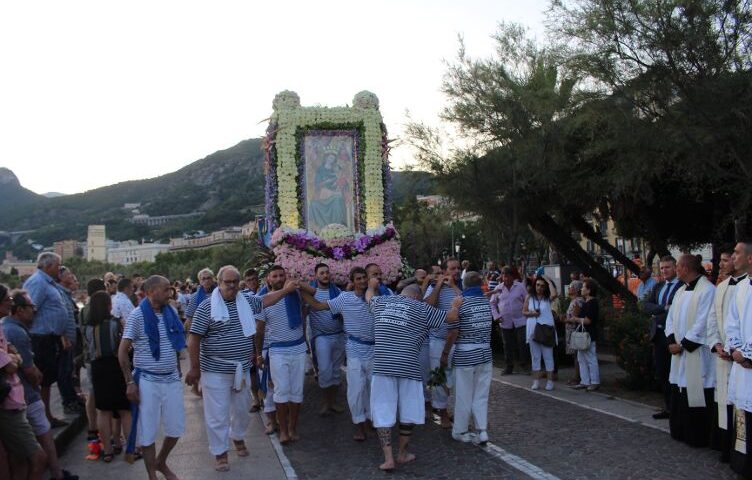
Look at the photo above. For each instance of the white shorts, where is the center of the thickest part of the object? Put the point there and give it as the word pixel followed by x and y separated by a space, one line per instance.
pixel 37 418
pixel 161 404
pixel 288 375
pixel 388 394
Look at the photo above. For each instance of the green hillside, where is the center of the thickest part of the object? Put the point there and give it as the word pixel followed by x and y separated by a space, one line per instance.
pixel 228 186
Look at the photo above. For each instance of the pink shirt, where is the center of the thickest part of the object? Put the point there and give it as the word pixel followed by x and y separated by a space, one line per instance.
pixel 15 400
pixel 506 303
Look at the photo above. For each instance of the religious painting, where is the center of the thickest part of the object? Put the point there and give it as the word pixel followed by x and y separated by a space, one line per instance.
pixel 329 164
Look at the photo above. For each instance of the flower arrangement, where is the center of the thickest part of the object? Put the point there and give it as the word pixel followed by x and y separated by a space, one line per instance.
pixel 288 122
pixel 298 251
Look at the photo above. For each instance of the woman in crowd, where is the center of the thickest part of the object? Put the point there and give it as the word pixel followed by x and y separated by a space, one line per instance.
pixel 588 359
pixel 102 338
pixel 540 329
pixel 575 305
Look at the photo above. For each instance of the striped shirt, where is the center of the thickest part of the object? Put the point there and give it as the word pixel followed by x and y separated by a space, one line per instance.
pixel 401 328
pixel 223 341
pixel 277 329
pixel 323 321
pixel 474 330
pixel 358 323
pixel 142 358
pixel 190 310
pixel 446 297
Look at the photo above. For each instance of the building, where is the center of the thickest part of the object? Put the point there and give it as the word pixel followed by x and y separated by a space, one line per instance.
pixel 144 219
pixel 96 244
pixel 67 249
pixel 130 251
pixel 22 268
pixel 219 237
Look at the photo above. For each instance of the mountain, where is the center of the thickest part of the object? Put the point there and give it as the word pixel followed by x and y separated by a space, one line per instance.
pixel 12 194
pixel 227 186
pixel 53 194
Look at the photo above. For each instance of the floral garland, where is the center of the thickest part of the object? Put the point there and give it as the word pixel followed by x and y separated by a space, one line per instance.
pixel 288 119
pixel 299 251
pixel 342 248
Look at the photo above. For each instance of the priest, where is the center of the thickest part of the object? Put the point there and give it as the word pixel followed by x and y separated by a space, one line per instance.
pixel 733 265
pixel 692 374
pixel 739 344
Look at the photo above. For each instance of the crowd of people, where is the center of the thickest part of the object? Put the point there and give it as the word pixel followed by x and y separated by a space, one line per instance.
pixel 247 346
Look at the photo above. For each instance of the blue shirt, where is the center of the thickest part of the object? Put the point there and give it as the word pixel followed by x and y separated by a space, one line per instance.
pixel 52 314
pixel 70 307
pixel 644 288
pixel 18 335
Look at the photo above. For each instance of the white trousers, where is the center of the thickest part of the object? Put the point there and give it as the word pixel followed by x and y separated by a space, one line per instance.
pixel 225 410
pixel 390 394
pixel 471 386
pixel 439 397
pixel 425 367
pixel 359 388
pixel 160 404
pixel 537 351
pixel 589 371
pixel 330 355
pixel 288 375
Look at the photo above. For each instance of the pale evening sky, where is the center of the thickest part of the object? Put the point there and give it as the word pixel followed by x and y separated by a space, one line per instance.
pixel 95 93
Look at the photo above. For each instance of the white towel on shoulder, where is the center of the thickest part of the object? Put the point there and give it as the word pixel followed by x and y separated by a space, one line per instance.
pixel 220 313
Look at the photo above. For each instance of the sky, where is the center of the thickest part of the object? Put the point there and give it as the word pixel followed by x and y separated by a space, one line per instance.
pixel 96 93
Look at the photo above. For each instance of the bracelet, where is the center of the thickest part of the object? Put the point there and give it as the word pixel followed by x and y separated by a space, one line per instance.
pixel 131 383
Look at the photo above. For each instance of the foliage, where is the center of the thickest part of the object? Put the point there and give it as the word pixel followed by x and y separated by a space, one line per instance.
pixel 628 332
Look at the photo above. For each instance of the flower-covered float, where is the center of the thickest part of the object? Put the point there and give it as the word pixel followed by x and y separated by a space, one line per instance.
pixel 328 187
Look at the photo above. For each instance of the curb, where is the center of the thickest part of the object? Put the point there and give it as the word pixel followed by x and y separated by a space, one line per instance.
pixel 64 436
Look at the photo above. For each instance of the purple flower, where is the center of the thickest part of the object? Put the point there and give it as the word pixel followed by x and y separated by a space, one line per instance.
pixel 338 253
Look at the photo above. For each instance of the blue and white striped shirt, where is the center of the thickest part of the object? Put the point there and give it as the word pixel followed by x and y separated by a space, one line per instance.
pixel 475 326
pixel 277 329
pixel 167 365
pixel 358 323
pixel 323 321
pixel 223 340
pixel 401 328
pixel 446 296
pixel 52 315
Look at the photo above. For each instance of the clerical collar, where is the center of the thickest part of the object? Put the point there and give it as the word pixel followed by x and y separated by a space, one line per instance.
pixel 735 280
pixel 691 285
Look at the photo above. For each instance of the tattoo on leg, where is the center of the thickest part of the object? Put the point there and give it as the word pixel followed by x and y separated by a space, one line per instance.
pixel 406 429
pixel 385 436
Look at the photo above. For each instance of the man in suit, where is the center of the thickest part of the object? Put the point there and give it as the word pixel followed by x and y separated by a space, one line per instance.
pixel 657 304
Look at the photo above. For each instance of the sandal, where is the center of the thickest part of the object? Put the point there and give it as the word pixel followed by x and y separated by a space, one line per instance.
pixel 107 457
pixel 241 449
pixel 222 465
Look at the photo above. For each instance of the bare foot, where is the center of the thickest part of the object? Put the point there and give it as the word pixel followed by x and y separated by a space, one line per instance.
pixel 294 437
pixel 446 422
pixel 270 428
pixel 360 434
pixel 387 466
pixel 165 470
pixel 406 457
pixel 284 438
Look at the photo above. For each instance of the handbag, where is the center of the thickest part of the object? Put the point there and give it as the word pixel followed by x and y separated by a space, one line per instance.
pixel 544 334
pixel 580 339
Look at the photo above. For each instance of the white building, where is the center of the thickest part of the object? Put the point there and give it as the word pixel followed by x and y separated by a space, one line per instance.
pixel 130 251
pixel 96 243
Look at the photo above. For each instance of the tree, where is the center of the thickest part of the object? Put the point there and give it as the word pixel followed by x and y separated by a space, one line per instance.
pixel 515 107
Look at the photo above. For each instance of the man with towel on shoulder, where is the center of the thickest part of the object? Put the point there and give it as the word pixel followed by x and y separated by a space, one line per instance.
pixel 154 388
pixel 220 347
pixel 282 325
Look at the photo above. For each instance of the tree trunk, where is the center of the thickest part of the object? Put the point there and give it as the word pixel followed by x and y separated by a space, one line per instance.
pixel 563 241
pixel 580 224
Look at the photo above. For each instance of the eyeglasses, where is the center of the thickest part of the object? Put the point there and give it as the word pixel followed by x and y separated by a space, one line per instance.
pixel 205 278
pixel 230 282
